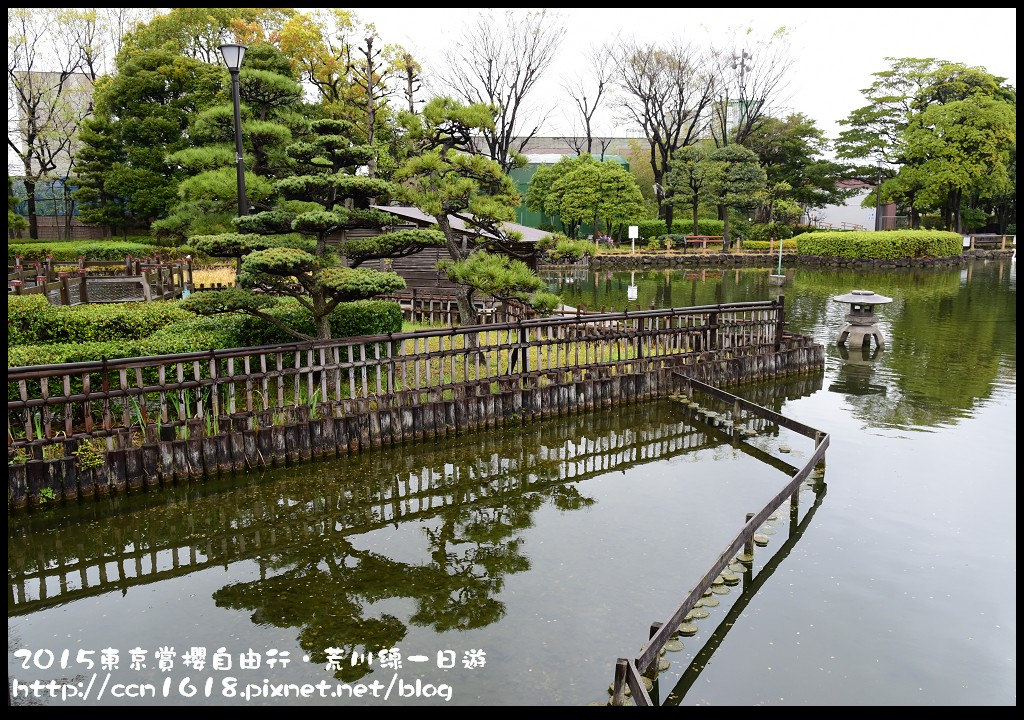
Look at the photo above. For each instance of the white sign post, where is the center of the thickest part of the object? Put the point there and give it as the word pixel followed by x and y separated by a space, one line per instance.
pixel 634 233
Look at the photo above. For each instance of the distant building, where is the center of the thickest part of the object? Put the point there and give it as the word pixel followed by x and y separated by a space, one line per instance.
pixel 851 215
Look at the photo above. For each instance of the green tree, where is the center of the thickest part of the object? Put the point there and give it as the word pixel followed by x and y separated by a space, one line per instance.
pixel 791 152
pixel 445 179
pixel 693 177
pixel 739 182
pixel 272 113
pixel 285 251
pixel 937 166
pixel 15 222
pixel 198 32
pixel 960 146
pixel 142 115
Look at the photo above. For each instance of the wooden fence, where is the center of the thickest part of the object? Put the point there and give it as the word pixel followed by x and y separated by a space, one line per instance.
pixel 440 307
pixel 101 281
pixel 629 671
pixel 180 417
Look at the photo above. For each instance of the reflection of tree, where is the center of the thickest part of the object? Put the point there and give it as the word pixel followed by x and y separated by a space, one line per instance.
pixel 947 339
pixel 951 331
pixel 326 583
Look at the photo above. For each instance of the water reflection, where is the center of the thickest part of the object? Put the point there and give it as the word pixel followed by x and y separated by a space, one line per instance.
pixel 468 502
pixel 943 323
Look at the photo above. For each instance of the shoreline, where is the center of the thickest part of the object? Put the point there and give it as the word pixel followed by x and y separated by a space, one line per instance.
pixel 662 260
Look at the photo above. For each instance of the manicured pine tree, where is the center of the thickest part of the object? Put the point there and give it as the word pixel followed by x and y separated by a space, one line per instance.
pixel 285 251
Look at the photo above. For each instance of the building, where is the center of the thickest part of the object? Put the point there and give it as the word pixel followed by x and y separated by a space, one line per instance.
pixel 419 270
pixel 851 215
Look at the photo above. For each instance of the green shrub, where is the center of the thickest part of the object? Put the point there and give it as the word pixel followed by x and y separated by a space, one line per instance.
pixel 28 318
pixel 884 245
pixel 789 244
pixel 763 232
pixel 933 222
pixel 92 250
pixel 20 355
pixel 32 320
pixel 363 317
pixel 654 243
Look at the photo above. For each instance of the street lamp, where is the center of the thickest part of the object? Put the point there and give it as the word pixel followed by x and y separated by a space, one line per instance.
pixel 233 54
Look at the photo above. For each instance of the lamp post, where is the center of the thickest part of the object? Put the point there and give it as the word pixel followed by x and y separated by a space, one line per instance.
pixel 233 54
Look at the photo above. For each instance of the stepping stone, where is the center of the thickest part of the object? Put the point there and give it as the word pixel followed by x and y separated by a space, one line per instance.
pixel 673 646
pixel 720 590
pixel 730 578
pixel 738 567
pixel 784 449
pixel 663 664
pixel 717 581
pixel 761 540
pixel 697 614
pixel 688 630
pixel 745 558
pixel 711 602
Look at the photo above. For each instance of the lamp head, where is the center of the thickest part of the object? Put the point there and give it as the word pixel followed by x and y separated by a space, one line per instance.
pixel 233 54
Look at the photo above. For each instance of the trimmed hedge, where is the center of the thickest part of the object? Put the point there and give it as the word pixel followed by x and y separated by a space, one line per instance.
pixel 881 245
pixel 32 320
pixel 656 228
pixel 92 250
pixel 789 244
pixel 41 334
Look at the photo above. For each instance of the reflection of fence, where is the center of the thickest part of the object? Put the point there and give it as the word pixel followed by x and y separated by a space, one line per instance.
pixel 628 671
pixel 176 539
pixel 750 588
pixel 100 281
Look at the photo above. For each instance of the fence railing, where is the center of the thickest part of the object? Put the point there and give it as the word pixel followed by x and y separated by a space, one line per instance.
pixel 120 399
pixel 433 307
pixel 629 671
pixel 100 281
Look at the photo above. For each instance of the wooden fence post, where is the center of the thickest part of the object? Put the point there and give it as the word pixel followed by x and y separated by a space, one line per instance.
pixel 748 546
pixel 65 290
pixel 780 322
pixel 619 684
pixel 16 284
pixel 83 287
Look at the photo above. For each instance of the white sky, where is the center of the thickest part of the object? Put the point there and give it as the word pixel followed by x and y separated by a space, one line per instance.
pixel 836 50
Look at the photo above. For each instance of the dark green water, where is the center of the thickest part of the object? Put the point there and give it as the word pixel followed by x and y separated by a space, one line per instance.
pixel 552 547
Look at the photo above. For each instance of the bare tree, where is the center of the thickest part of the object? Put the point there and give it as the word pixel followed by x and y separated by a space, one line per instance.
pixel 370 73
pixel 498 62
pixel 667 91
pixel 45 100
pixel 750 78
pixel 406 74
pixel 587 91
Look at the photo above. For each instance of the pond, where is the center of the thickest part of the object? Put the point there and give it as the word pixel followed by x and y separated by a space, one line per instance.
pixel 551 547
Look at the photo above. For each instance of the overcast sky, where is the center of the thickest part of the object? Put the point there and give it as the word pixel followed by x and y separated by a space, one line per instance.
pixel 835 50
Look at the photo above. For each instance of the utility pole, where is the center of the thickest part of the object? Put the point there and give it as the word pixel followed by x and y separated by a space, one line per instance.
pixel 878 198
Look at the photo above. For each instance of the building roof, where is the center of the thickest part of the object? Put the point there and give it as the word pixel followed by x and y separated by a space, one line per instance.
pixel 853 185
pixel 414 214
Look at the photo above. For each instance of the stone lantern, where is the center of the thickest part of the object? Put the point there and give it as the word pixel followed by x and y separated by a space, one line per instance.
pixel 861 319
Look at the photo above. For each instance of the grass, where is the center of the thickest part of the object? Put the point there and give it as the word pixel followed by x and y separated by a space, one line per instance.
pixel 223 274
